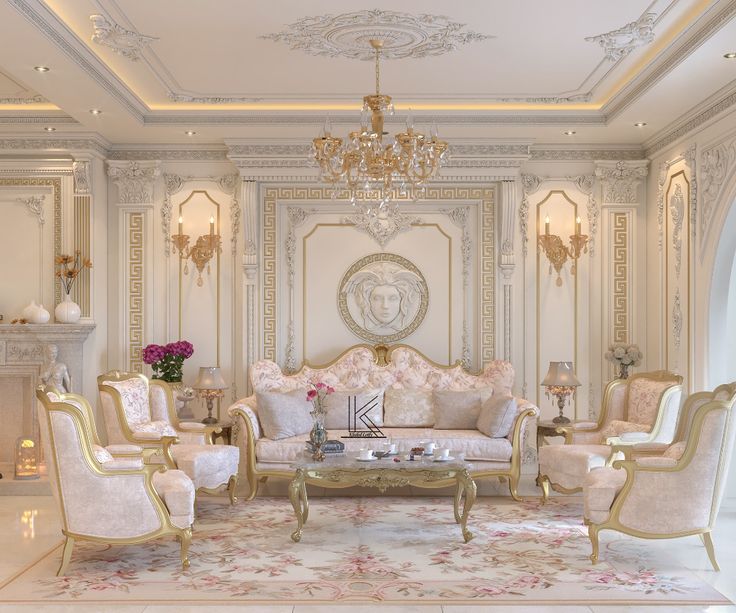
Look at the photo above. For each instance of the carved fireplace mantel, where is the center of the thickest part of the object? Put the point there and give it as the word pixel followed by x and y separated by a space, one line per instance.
pixel 21 361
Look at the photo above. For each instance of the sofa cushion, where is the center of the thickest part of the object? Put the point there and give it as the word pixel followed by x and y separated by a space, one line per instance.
pixel 497 416
pixel 473 444
pixel 408 408
pixel 177 492
pixel 207 465
pixel 458 410
pixel 284 415
pixel 338 413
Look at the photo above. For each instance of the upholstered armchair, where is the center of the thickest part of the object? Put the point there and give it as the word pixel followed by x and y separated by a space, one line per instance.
pixel 143 412
pixel 103 498
pixel 676 494
pixel 647 404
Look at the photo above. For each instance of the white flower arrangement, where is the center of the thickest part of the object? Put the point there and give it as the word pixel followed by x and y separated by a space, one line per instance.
pixel 624 354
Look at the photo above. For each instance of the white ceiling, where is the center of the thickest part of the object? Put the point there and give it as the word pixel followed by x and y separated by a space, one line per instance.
pixel 526 73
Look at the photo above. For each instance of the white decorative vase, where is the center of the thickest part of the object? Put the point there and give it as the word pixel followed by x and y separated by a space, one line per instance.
pixel 67 311
pixel 35 313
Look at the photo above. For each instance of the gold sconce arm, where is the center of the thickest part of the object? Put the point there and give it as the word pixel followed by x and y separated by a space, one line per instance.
pixel 206 247
pixel 557 253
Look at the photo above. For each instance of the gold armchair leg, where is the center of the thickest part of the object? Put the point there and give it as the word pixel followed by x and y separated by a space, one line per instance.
pixel 513 485
pixel 708 542
pixel 185 539
pixel 593 536
pixel 252 486
pixel 231 484
pixel 543 482
pixel 66 556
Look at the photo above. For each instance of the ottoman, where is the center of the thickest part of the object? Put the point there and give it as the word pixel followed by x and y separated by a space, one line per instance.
pixel 209 466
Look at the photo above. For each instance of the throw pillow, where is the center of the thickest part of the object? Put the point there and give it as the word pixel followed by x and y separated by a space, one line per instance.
pixel 459 410
pixel 283 415
pixel 338 414
pixel 497 416
pixel 408 408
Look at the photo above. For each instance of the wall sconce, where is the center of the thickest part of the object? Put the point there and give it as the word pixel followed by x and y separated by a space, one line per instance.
pixel 203 251
pixel 561 383
pixel 557 253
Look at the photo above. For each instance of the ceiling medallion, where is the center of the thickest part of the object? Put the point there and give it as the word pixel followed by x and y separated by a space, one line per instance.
pixel 124 42
pixel 363 163
pixel 349 35
pixel 621 42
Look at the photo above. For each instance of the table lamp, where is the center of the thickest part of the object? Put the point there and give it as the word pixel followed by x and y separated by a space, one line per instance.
pixel 561 383
pixel 210 385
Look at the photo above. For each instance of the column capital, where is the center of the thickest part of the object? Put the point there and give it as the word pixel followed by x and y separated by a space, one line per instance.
pixel 620 179
pixel 134 179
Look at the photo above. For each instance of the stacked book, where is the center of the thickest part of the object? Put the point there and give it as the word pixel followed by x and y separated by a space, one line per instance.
pixel 328 447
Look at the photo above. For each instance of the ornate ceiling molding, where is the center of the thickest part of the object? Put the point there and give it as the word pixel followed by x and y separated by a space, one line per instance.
pixel 128 43
pixel 619 43
pixel 173 154
pixel 621 179
pixel 36 99
pixel 37 117
pixel 542 154
pixel 404 35
pixel 53 144
pixel 134 180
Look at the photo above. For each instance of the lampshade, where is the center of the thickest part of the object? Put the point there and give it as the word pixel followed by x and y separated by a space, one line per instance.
pixel 209 378
pixel 561 374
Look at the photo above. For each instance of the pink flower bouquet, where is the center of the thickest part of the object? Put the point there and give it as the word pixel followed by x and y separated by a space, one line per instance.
pixel 316 394
pixel 167 361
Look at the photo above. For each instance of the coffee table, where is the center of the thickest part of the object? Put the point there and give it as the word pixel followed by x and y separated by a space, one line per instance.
pixel 345 471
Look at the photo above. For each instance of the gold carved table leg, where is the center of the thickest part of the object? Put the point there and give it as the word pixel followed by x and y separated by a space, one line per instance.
pixel 298 497
pixel 465 486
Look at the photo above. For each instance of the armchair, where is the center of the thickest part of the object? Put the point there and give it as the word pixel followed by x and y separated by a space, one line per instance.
pixel 143 412
pixel 103 499
pixel 646 403
pixel 677 494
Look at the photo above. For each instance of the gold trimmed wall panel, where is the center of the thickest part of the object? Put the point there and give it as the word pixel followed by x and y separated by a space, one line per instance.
pixel 136 295
pixel 620 289
pixel 483 195
pixel 82 241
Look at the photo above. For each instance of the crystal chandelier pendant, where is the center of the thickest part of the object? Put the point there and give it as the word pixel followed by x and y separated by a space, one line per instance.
pixel 366 166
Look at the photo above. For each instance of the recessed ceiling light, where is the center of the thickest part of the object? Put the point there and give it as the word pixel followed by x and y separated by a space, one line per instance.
pixel 730 56
pixel 640 124
pixel 190 132
pixel 50 129
pixel 41 68
pixel 95 111
pixel 569 132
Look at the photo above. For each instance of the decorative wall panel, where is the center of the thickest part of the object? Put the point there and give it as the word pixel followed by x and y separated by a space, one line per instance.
pixel 135 268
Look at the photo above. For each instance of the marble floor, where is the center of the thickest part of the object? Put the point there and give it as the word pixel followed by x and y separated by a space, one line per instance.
pixel 29 526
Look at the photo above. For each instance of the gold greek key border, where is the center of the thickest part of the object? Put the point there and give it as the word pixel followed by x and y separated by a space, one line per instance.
pixel 485 195
pixel 55 184
pixel 620 232
pixel 82 242
pixel 136 297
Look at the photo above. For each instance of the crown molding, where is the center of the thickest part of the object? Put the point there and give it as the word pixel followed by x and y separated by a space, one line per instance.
pixel 48 24
pixel 646 80
pixel 551 153
pixel 70 144
pixel 45 118
pixel 723 100
pixel 198 153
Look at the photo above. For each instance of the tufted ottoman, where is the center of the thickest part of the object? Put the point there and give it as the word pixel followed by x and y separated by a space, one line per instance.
pixel 209 466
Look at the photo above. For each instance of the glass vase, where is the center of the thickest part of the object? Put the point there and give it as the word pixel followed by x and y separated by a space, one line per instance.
pixel 318 436
pixel 623 371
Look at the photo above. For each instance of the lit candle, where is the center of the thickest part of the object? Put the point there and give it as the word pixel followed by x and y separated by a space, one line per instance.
pixel 577 226
pixel 212 225
pixel 181 221
pixel 546 225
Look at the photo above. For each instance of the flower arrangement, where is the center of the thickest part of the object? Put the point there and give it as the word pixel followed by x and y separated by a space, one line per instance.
pixel 624 355
pixel 68 268
pixel 316 394
pixel 167 360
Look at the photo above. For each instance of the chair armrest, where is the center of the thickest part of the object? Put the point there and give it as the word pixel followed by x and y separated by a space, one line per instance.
pixel 154 442
pixel 583 434
pixel 123 463
pixel 125 451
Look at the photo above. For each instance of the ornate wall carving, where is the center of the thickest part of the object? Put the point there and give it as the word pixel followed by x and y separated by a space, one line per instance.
pixel 621 179
pixel 136 295
pixel 716 164
pixel 134 180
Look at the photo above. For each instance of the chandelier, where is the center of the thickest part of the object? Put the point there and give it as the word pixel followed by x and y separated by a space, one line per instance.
pixel 366 166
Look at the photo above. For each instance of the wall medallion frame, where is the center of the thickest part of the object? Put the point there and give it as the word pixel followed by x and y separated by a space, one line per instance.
pixel 383 298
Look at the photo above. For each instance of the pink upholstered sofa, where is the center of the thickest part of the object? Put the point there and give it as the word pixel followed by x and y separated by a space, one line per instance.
pixel 381 367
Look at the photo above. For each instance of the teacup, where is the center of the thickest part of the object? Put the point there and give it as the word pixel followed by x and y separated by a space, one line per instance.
pixel 392 448
pixel 429 448
pixel 442 453
pixel 366 454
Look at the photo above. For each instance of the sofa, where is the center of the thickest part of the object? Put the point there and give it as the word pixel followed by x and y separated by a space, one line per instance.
pixel 392 371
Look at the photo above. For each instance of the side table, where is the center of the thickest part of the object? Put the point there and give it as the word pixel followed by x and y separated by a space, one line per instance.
pixel 547 429
pixel 225 433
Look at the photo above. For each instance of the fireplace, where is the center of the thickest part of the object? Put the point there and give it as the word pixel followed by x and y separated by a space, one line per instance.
pixel 21 361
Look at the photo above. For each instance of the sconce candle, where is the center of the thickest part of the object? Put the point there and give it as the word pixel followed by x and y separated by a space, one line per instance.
pixel 181 221
pixel 546 225
pixel 212 225
pixel 577 226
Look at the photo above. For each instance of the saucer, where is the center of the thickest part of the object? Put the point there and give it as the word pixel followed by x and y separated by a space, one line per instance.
pixel 373 459
pixel 447 459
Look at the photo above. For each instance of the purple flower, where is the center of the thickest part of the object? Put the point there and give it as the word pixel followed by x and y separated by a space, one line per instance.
pixel 183 349
pixel 153 353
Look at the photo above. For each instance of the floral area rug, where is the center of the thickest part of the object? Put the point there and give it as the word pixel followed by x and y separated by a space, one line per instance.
pixel 397 550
